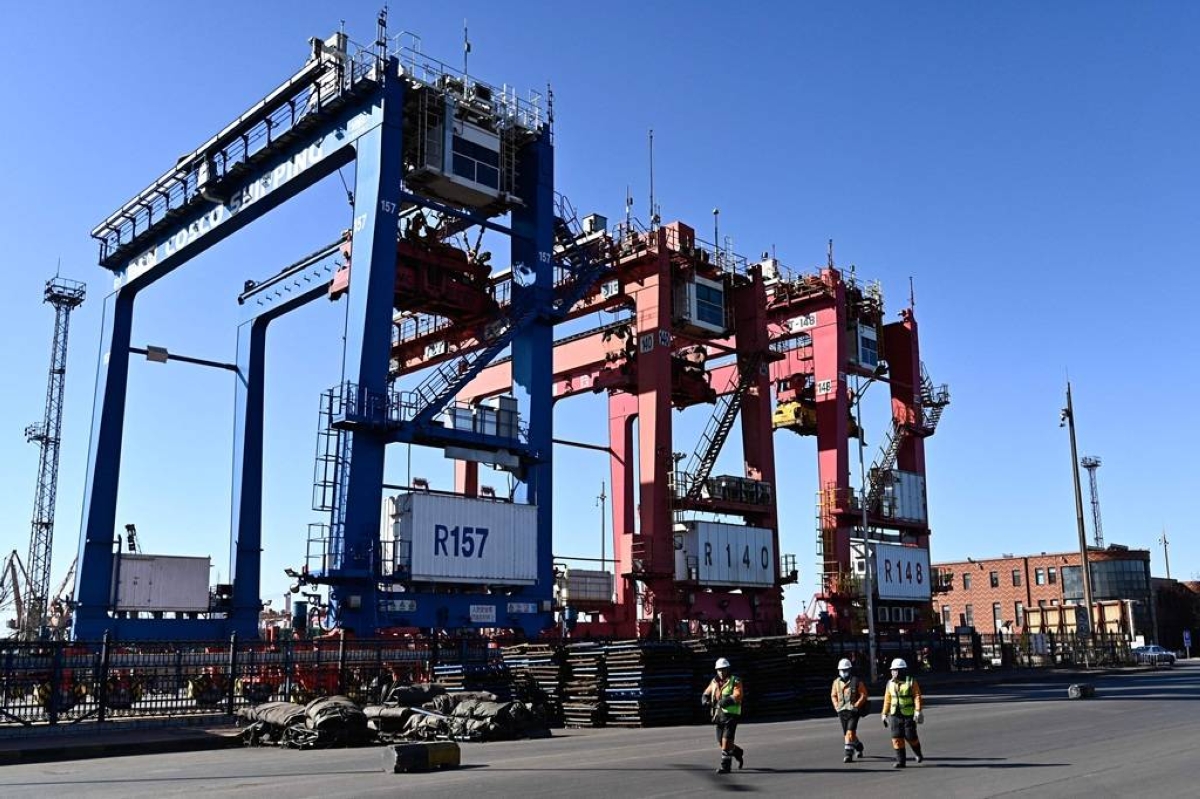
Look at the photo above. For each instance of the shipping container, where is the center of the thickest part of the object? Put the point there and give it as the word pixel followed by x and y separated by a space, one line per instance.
pixel 908 496
pixel 161 583
pixel 732 555
pixel 451 539
pixel 582 588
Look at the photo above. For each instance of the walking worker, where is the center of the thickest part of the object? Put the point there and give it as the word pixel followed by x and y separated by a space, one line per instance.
pixel 902 711
pixel 724 696
pixel 849 697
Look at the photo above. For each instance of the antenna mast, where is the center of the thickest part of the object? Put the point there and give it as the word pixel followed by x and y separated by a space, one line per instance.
pixel 1092 464
pixel 65 296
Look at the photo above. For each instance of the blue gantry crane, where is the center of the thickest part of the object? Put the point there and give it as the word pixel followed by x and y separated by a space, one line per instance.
pixel 423 139
pixel 64 296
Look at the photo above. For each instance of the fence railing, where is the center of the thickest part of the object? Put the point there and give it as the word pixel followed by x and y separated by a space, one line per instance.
pixel 72 682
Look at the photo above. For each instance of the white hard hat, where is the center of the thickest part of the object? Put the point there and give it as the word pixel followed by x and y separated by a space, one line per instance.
pixel 899 663
pixel 845 665
pixel 722 663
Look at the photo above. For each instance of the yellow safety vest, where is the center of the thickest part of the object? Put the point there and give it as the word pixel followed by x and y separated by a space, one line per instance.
pixel 727 690
pixel 903 701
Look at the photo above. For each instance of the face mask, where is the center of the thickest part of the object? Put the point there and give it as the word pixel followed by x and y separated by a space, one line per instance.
pixel 844 673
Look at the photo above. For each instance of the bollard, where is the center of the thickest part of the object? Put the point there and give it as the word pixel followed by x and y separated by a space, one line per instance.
pixel 405 758
pixel 1081 690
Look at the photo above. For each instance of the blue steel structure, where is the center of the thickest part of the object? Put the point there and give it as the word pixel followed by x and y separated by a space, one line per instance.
pixel 340 108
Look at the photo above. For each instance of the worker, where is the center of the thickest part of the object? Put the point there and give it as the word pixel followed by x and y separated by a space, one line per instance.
pixel 849 697
pixel 902 712
pixel 724 696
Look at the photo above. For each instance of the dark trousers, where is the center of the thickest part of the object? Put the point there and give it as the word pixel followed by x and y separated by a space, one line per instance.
pixel 726 731
pixel 903 728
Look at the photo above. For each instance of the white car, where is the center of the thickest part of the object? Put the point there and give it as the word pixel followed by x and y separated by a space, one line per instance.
pixel 1154 655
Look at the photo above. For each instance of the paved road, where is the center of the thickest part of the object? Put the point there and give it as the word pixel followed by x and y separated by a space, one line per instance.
pixel 1138 737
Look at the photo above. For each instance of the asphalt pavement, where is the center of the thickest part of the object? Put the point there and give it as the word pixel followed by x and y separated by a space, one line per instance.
pixel 1138 736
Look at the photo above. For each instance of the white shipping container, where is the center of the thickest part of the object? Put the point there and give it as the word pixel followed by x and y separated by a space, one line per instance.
pixel 586 586
pixel 908 497
pixel 450 539
pixel 161 583
pixel 728 554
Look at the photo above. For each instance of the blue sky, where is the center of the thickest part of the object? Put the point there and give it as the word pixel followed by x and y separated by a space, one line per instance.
pixel 1031 166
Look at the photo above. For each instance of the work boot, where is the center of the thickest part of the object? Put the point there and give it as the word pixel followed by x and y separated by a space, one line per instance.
pixel 861 751
pixel 917 753
pixel 901 756
pixel 726 759
pixel 849 756
pixel 738 753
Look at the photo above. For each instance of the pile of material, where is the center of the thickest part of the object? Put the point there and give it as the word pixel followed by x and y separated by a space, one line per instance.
pixel 324 722
pixel 813 670
pixel 410 712
pixel 463 716
pixel 770 682
pixel 545 665
pixel 583 694
pixel 491 677
pixel 648 684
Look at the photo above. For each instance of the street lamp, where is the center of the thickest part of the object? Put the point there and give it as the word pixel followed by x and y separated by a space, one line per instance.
pixel 1068 421
pixel 869 578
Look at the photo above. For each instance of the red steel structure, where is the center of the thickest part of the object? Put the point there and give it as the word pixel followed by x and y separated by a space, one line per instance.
pixel 791 343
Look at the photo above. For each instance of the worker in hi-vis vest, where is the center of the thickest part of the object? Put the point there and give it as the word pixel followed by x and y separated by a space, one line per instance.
pixel 724 696
pixel 902 711
pixel 849 697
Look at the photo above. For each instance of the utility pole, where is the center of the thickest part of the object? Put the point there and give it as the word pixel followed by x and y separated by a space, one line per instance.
pixel 869 576
pixel 600 500
pixel 1068 419
pixel 1162 539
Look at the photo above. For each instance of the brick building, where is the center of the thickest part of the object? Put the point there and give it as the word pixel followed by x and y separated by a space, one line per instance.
pixel 992 595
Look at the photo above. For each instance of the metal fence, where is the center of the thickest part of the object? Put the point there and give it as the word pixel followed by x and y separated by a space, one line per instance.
pixel 70 682
pixel 939 652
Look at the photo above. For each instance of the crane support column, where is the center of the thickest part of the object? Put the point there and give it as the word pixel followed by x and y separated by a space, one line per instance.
pixel 622 413
pixel 830 343
pixel 758 443
pixel 379 172
pixel 93 588
pixel 532 252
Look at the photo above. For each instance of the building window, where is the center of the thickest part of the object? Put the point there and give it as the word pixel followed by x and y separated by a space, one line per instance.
pixel 997 616
pixel 1019 609
pixel 1017 578
pixel 969 616
pixel 1039 576
pixel 1053 603
pixel 946 618
pixel 1041 603
pixel 966 582
pixel 1052 575
pixel 994 579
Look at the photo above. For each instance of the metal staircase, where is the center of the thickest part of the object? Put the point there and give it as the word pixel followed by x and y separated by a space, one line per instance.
pixel 450 377
pixel 931 402
pixel 724 415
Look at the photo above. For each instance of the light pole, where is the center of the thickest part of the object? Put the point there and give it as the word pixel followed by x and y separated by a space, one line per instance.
pixel 1068 419
pixel 869 576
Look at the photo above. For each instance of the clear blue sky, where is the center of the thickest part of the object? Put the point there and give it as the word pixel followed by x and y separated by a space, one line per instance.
pixel 1032 166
